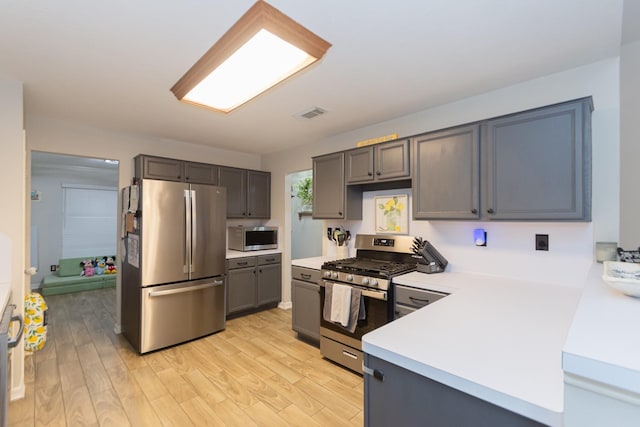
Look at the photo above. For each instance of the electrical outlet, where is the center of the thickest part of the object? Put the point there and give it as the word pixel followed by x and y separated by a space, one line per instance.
pixel 53 267
pixel 542 242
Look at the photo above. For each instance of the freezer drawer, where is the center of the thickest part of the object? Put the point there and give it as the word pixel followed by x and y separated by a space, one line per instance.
pixel 172 314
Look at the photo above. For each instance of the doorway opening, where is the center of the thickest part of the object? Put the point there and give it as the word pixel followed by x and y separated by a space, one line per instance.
pixel 74 208
pixel 306 233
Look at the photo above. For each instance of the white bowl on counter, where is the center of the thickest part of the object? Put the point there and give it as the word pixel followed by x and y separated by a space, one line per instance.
pixel 623 276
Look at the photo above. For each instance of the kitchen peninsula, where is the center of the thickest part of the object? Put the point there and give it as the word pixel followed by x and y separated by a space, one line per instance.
pixel 499 340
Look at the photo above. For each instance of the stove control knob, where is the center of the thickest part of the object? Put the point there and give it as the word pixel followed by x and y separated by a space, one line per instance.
pixel 327 274
pixel 349 278
pixel 373 282
pixel 334 274
pixel 365 281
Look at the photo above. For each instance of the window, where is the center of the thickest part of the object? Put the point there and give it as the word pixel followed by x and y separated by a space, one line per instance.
pixel 89 220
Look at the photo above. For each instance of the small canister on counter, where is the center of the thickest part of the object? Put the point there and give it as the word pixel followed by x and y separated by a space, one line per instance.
pixel 606 251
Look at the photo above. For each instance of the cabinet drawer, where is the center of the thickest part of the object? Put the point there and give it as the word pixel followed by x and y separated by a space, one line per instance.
pixel 340 353
pixel 306 274
pixel 416 298
pixel 269 259
pixel 242 262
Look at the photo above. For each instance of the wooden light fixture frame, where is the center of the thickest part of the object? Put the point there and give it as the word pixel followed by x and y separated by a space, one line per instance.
pixel 260 16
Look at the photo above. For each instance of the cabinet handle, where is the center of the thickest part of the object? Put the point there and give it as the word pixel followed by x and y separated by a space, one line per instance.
pixel 269 259
pixel 178 176
pixel 305 276
pixel 378 173
pixel 369 173
pixel 414 299
pixel 490 210
pixel 375 373
pixel 340 213
pixel 474 211
pixel 243 263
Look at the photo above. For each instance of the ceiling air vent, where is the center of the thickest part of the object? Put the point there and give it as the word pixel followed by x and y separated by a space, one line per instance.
pixel 311 113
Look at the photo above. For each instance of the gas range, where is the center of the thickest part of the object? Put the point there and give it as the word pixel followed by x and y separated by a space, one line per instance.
pixel 367 272
pixel 379 258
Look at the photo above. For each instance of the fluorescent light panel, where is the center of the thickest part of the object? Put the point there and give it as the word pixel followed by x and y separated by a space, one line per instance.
pixel 262 49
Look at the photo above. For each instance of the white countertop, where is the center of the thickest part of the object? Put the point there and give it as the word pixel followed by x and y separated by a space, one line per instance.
pixel 313 262
pixel 495 338
pixel 239 254
pixel 603 343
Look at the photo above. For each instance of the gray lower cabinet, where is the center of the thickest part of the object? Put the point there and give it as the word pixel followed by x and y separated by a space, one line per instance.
pixel 253 282
pixel 394 396
pixel 538 164
pixel 447 174
pixel 380 162
pixel 248 192
pixel 305 299
pixel 332 199
pixel 269 279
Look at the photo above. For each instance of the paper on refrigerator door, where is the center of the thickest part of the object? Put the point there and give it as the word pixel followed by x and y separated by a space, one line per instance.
pixel 133 252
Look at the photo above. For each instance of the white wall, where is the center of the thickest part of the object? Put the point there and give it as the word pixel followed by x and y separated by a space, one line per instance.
pixel 509 243
pixel 12 214
pixel 630 145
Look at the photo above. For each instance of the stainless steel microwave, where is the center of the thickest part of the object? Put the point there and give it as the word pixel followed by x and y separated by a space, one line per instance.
pixel 253 238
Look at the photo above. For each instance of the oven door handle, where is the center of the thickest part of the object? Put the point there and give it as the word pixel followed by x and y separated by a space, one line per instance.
pixel 380 295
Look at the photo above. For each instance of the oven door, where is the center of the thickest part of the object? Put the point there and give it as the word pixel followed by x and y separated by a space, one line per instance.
pixel 378 313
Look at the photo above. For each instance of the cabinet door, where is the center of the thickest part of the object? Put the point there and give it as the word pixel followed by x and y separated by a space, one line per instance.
pixel 328 186
pixel 200 173
pixel 269 283
pixel 258 194
pixel 392 160
pixel 537 164
pixel 159 168
pixel 447 174
pixel 305 312
pixel 241 289
pixel 404 398
pixel 359 165
pixel 235 181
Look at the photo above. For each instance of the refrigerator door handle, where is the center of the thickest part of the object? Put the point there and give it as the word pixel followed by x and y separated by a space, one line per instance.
pixel 185 289
pixel 194 230
pixel 187 232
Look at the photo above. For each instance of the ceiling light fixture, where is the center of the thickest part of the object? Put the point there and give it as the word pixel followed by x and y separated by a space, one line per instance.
pixel 259 51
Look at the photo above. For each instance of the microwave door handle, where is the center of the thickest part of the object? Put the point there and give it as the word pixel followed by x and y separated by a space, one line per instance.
pixel 187 233
pixel 194 231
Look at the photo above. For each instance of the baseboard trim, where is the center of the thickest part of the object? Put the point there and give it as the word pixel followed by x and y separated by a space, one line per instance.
pixel 285 305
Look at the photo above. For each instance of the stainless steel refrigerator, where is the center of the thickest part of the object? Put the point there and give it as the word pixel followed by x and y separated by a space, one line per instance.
pixel 173 282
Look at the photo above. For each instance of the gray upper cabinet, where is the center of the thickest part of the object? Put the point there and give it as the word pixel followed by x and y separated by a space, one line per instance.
pixel 235 181
pixel 151 167
pixel 258 194
pixel 332 199
pixel 447 174
pixel 200 173
pixel 248 192
pixel 538 164
pixel 380 162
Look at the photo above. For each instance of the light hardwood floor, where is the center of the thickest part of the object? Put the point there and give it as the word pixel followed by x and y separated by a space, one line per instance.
pixel 256 372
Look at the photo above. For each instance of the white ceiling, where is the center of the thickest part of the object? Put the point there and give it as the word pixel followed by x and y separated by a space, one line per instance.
pixel 111 63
